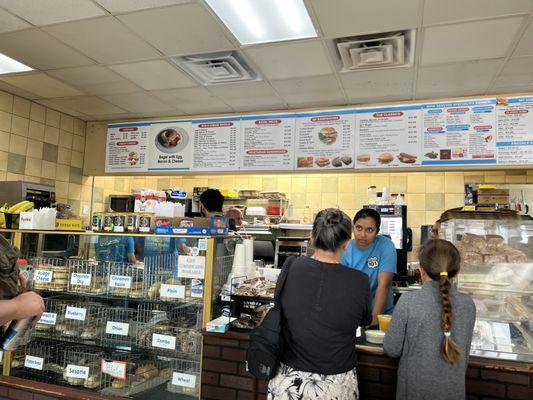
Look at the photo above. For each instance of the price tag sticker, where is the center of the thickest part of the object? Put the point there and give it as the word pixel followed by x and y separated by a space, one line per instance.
pixel 80 279
pixel 42 275
pixel 164 341
pixel 117 328
pixel 120 281
pixel 202 244
pixel 76 313
pixel 185 380
pixel 34 362
pixel 77 371
pixel 117 369
pixel 172 291
pixel 48 318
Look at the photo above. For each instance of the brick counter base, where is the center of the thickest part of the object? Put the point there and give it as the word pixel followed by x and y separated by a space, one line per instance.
pixel 224 375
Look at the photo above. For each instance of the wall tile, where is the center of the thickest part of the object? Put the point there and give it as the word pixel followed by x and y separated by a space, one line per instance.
pixel 76 175
pixel 38 113
pixel 21 107
pixel 65 139
pixel 435 201
pixel 14 177
pixel 34 179
pixel 33 167
pixel 284 184
pixel 35 149
pixel 47 181
pixel 416 219
pixel 36 130
pixel 329 200
pixel 435 183
pixel 313 200
pixel 416 182
pixel 77 159
pixel 6 102
pixel 494 178
pixel 86 193
pixel 3 159
pixel 52 118
pixel 516 179
pixel 51 135
pixel 16 163
pixel 270 183
pixel 48 170
pixel 347 183
pixel 67 123
pixel 398 184
pixel 416 201
pixel 62 189
pixel 454 183
pixel 17 144
pixel 314 184
pixel 330 184
pixel 79 127
pixel 64 155
pixel 3 176
pixel 74 191
pixel 453 200
pixel 20 125
pixel 50 152
pixel 347 201
pixel 5 121
pixel 4 140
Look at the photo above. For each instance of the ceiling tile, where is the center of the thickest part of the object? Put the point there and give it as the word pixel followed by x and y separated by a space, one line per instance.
pixel 525 45
pixel 41 84
pixel 40 50
pixel 438 11
pixel 121 6
pixel 318 103
pixel 11 23
pixel 467 76
pixel 291 60
pixel 52 11
pixel 103 39
pixel 450 94
pixel 241 95
pixel 138 102
pixel 17 91
pixel 66 110
pixel 516 72
pixel 253 108
pixel 89 105
pixel 192 100
pixel 391 83
pixel 122 117
pixel 339 18
pixel 469 41
pixel 120 87
pixel 510 89
pixel 310 90
pixel 154 75
pixel 184 29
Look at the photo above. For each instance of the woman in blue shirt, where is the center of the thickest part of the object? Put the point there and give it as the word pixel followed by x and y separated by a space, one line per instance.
pixel 374 255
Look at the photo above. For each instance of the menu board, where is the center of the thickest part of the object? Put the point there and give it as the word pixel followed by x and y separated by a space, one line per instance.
pixel 325 140
pixel 515 130
pixel 216 144
pixel 388 137
pixel 267 142
pixel 126 147
pixel 459 133
pixel 170 146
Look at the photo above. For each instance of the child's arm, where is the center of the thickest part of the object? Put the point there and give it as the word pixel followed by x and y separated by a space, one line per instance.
pixel 395 336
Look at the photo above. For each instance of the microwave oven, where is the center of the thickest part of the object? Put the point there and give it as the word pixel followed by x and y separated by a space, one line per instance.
pixel 121 203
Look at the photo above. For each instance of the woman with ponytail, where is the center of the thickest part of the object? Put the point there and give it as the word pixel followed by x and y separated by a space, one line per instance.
pixel 431 330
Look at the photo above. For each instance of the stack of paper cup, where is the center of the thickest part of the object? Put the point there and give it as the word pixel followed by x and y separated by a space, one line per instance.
pixel 239 258
pixel 249 250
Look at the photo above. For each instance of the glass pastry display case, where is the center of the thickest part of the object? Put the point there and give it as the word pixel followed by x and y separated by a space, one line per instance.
pixel 123 316
pixel 497 271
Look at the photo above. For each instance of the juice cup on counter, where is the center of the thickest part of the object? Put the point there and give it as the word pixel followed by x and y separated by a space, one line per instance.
pixel 384 321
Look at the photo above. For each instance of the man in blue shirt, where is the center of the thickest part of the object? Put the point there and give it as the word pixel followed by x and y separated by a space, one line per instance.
pixel 115 248
pixel 374 255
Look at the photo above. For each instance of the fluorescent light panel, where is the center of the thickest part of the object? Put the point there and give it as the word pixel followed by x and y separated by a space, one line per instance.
pixel 9 66
pixel 264 21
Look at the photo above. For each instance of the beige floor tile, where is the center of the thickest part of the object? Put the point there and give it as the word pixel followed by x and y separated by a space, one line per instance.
pixel 51 135
pixel 65 139
pixel 33 166
pixel 5 121
pixel 21 107
pixel 36 130
pixel 38 113
pixel 4 140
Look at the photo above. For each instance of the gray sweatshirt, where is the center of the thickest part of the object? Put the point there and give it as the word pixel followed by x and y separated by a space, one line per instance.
pixel 415 335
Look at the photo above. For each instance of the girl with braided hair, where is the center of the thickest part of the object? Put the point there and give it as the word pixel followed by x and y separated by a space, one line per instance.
pixel 431 330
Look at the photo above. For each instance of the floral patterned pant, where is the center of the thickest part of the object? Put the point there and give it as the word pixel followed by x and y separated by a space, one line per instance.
pixel 291 384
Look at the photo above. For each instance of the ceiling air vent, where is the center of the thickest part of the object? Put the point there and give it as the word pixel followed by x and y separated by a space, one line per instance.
pixel 384 50
pixel 217 68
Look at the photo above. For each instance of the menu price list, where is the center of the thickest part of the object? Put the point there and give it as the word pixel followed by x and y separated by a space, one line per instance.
pixel 459 132
pixel 267 142
pixel 325 140
pixel 127 147
pixel 515 130
pixel 388 137
pixel 216 144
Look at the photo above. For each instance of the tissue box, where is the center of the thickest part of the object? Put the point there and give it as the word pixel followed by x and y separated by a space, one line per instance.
pixel 219 325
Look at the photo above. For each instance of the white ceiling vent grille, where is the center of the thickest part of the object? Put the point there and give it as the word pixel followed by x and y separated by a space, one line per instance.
pixel 217 68
pixel 385 50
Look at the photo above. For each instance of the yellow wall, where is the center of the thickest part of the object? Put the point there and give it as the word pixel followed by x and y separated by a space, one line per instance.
pixel 38 144
pixel 428 194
